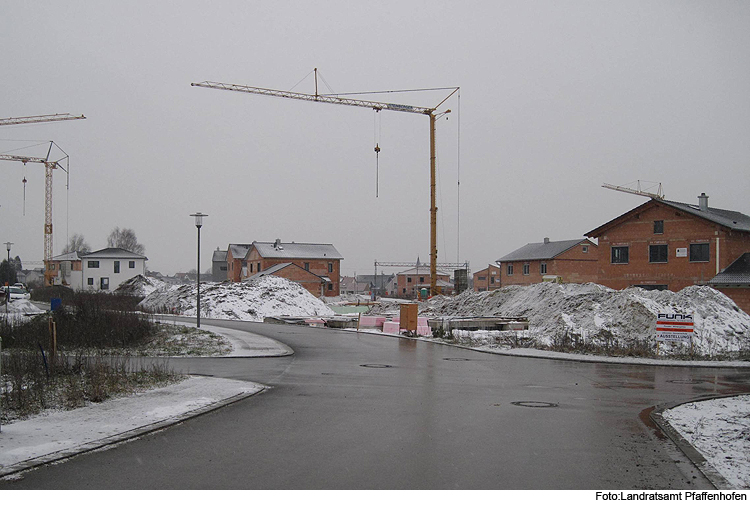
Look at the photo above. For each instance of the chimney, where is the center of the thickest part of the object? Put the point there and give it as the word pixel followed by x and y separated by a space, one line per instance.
pixel 276 244
pixel 703 201
pixel 546 240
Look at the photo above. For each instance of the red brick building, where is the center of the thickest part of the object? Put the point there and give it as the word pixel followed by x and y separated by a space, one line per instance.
pixel 670 245
pixel 290 271
pixel 409 282
pixel 563 261
pixel 321 260
pixel 487 279
pixel 236 261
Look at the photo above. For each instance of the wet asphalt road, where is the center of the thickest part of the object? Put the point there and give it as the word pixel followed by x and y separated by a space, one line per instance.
pixel 361 411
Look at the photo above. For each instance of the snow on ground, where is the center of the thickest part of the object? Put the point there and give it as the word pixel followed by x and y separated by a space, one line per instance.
pixel 252 301
pixel 19 309
pixel 720 430
pixel 59 434
pixel 601 314
pixel 140 286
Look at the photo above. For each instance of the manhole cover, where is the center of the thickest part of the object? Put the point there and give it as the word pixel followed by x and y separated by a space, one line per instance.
pixel 686 382
pixel 534 404
pixel 376 365
pixel 457 359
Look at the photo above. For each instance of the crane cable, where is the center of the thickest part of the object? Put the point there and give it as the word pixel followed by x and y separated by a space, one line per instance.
pixel 376 136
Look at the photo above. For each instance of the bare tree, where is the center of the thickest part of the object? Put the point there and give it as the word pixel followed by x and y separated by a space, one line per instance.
pixel 125 238
pixel 77 243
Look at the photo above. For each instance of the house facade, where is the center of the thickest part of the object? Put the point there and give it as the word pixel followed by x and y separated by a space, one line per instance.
pixel 487 279
pixel 561 261
pixel 106 269
pixel 410 282
pixel 219 265
pixel 322 260
pixel 236 262
pixel 64 270
pixel 670 245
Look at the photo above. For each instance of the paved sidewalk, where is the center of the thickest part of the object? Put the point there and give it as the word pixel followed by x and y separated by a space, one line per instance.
pixel 62 434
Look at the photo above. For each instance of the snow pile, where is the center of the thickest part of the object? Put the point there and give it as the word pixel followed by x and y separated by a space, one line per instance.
pixel 720 430
pixel 252 301
pixel 140 286
pixel 19 309
pixel 595 312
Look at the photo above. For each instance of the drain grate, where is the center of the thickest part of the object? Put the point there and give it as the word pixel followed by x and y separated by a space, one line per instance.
pixel 534 404
pixel 457 359
pixel 686 382
pixel 376 365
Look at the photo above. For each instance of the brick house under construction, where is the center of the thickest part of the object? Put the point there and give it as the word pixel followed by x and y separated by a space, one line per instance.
pixel 565 261
pixel 670 245
pixel 318 266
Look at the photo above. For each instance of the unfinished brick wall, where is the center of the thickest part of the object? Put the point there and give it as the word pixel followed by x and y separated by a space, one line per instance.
pixel 580 264
pixel 680 230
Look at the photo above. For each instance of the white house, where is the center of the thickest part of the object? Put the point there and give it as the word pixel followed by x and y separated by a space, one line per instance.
pixel 106 269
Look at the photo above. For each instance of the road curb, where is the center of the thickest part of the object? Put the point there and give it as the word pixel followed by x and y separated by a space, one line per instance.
pixel 98 444
pixel 700 462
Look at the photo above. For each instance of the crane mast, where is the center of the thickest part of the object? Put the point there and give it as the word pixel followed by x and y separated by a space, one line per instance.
pixel 49 166
pixel 377 106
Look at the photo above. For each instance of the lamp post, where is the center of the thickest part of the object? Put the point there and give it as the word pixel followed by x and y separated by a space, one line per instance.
pixel 7 293
pixel 198 224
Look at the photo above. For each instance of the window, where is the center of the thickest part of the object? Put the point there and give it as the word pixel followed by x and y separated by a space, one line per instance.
pixel 585 249
pixel 659 226
pixel 620 254
pixel 117 266
pixel 421 280
pixel 658 253
pixel 492 280
pixel 404 290
pixel 93 264
pixel 330 267
pixel 526 268
pixel 510 269
pixel 224 268
pixel 52 266
pixel 543 268
pixel 90 281
pixel 307 266
pixel 104 284
pixel 330 286
pixel 131 264
pixel 482 278
pixel 251 267
pixel 258 270
pixel 699 253
pixel 408 280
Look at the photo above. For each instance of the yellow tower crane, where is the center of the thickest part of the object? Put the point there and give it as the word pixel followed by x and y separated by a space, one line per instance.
pixel 49 166
pixel 432 113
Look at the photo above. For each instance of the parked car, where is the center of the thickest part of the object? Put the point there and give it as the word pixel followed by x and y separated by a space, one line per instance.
pixel 15 292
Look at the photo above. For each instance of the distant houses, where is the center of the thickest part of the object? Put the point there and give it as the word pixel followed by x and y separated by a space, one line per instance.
pixel 561 261
pixel 317 266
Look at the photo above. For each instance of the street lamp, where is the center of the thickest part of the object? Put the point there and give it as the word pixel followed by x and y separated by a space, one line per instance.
pixel 7 293
pixel 198 224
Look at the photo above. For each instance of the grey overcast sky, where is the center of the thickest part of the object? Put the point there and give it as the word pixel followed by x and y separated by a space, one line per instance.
pixel 557 97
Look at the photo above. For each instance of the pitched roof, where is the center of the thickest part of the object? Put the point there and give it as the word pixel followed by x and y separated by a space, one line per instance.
pixel 70 256
pixel 296 250
pixel 219 255
pixel 239 251
pixel 736 273
pixel 728 218
pixel 113 253
pixel 543 250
